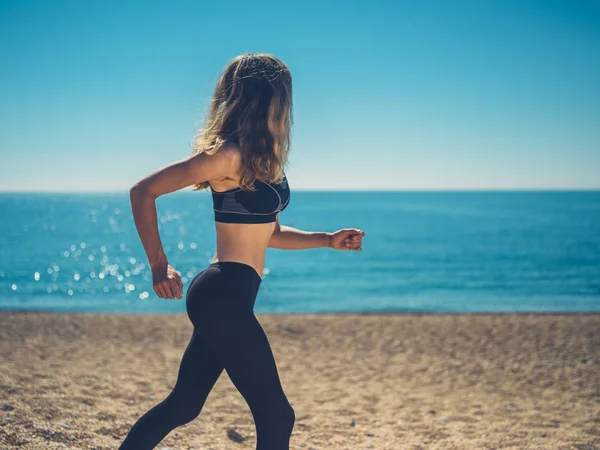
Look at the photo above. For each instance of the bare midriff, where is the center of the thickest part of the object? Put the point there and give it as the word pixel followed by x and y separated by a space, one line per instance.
pixel 241 242
pixel 244 243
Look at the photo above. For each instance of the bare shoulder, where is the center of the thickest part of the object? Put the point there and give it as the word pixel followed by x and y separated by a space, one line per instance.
pixel 230 152
pixel 225 160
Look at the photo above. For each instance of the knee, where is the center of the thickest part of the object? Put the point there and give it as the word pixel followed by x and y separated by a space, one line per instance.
pixel 287 418
pixel 277 420
pixel 186 413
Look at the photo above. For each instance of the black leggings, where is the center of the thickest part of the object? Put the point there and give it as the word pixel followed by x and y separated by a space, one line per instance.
pixel 227 335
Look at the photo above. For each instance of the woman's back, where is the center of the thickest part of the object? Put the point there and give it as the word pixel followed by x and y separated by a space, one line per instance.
pixel 245 220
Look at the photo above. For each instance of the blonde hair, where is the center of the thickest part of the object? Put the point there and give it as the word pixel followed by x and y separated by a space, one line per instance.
pixel 252 108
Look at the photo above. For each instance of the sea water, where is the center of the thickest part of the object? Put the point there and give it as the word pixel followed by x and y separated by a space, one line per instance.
pixel 427 252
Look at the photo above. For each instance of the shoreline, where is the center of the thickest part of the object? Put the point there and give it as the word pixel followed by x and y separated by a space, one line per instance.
pixel 349 313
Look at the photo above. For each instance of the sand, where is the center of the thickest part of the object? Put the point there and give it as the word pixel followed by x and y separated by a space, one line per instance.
pixel 79 381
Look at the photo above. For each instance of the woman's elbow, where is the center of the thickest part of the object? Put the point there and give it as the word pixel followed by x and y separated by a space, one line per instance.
pixel 135 192
pixel 140 190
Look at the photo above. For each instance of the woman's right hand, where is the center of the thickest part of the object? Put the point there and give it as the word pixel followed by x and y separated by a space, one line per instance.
pixel 347 239
pixel 167 282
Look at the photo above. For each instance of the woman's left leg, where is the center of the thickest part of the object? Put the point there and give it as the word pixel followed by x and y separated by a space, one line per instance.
pixel 199 370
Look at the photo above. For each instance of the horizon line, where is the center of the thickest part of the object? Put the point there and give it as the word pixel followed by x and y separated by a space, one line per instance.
pixel 337 190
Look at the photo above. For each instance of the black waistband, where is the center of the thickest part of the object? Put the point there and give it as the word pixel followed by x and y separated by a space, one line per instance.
pixel 230 266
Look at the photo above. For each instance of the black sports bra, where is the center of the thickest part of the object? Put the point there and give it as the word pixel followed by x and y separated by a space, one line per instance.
pixel 259 206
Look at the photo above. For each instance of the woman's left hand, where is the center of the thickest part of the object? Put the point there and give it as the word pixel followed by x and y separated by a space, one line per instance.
pixel 347 239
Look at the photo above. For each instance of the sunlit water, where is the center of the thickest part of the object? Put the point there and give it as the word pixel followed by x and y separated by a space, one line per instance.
pixel 423 252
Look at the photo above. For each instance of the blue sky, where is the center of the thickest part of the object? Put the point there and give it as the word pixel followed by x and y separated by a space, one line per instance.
pixel 388 95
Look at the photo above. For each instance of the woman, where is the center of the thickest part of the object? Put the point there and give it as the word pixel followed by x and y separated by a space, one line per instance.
pixel 240 155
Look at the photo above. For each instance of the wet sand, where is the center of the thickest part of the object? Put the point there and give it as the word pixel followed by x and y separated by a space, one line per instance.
pixel 79 381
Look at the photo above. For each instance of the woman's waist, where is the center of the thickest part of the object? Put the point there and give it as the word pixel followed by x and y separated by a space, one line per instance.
pixel 257 267
pixel 254 258
pixel 224 286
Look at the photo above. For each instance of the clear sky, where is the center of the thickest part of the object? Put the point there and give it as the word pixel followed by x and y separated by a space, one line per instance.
pixel 388 95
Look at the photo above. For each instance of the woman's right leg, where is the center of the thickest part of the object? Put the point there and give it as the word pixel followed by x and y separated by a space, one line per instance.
pixel 228 324
pixel 242 345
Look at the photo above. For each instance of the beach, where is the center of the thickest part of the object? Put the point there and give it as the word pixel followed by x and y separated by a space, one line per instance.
pixel 356 381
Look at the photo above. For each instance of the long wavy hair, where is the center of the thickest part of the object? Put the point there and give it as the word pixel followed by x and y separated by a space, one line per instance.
pixel 252 108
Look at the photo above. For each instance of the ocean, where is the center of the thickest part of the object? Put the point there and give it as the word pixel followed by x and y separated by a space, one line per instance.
pixel 423 252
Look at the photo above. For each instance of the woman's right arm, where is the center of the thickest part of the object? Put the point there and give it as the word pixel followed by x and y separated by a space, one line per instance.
pixel 178 175
pixel 288 238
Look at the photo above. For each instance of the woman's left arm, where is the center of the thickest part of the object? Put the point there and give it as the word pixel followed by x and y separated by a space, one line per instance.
pixel 288 238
